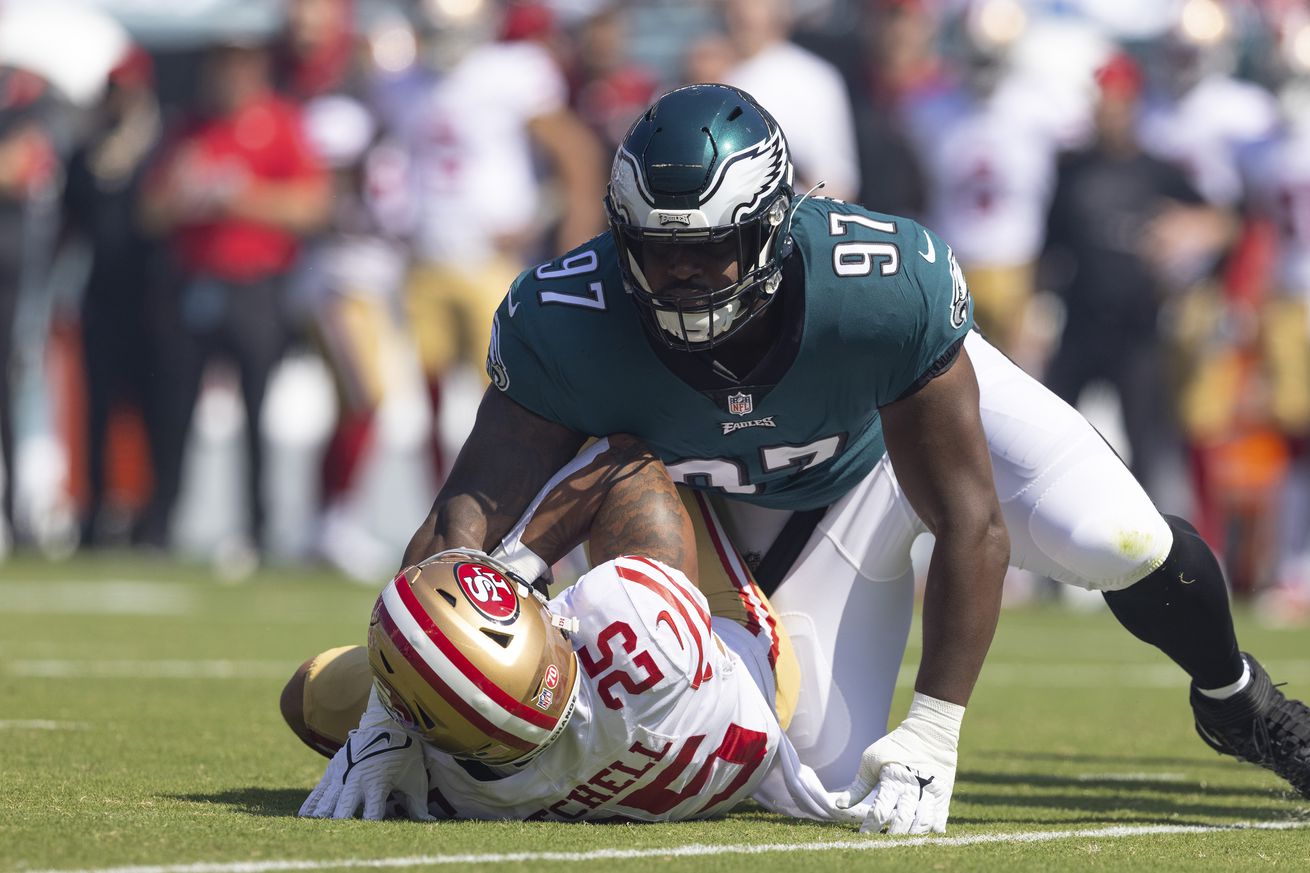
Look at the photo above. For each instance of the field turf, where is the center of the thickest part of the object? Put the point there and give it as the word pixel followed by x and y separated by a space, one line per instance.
pixel 139 729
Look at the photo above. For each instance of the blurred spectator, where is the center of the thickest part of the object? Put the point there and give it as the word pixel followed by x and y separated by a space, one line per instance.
pixel 804 92
pixel 350 276
pixel 120 298
pixel 708 59
pixel 1197 113
pixel 472 119
pixel 988 149
pixel 234 192
pixel 317 51
pixel 609 90
pixel 900 67
pixel 1279 188
pixel 1118 218
pixel 1201 116
pixel 29 172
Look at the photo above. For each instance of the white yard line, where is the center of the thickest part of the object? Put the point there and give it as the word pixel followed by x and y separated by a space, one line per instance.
pixel 40 724
pixel 1132 777
pixel 691 851
pixel 53 668
pixel 102 597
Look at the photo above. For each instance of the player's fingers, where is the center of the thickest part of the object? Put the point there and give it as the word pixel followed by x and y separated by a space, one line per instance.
pixel 375 804
pixel 309 809
pixel 903 817
pixel 347 802
pixel 924 815
pixel 856 791
pixel 884 805
pixel 325 799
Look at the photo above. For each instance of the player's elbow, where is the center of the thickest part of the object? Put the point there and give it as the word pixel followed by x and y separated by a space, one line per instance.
pixel 996 540
pixel 979 531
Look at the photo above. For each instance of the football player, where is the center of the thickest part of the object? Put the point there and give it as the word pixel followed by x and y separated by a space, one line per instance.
pixel 620 698
pixel 810 364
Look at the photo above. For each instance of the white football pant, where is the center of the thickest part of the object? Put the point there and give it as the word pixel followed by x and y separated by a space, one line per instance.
pixel 1073 511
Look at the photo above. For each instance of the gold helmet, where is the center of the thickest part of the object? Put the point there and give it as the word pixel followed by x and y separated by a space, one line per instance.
pixel 465 653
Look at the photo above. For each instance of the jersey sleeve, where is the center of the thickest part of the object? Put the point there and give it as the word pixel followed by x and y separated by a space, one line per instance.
pixel 652 619
pixel 514 362
pixel 938 295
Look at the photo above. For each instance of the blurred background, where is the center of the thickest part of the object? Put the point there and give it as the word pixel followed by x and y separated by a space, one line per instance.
pixel 250 249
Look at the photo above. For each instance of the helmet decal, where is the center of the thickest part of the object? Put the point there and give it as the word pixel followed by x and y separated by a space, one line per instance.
pixel 737 188
pixel 763 177
pixel 489 592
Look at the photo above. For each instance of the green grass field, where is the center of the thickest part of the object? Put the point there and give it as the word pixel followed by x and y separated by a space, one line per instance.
pixel 139 728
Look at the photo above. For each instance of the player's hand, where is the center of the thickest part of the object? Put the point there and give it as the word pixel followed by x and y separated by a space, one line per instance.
pixel 374 764
pixel 910 772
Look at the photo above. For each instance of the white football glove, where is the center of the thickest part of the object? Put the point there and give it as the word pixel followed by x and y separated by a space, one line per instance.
pixel 380 760
pixel 910 771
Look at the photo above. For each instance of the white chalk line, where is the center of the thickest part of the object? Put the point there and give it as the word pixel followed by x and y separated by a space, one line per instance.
pixel 103 597
pixel 53 668
pixel 873 843
pixel 40 724
pixel 1133 777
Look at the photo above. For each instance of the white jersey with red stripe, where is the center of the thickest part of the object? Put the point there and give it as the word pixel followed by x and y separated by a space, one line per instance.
pixel 669 723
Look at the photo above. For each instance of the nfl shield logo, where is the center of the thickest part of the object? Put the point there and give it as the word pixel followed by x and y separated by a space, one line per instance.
pixel 741 403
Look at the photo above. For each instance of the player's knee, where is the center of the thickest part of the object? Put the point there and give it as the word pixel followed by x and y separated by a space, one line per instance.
pixel 1100 529
pixel 292 704
pixel 1123 553
pixel 325 697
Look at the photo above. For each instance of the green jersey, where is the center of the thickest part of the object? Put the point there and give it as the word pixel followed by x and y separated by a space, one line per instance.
pixel 874 306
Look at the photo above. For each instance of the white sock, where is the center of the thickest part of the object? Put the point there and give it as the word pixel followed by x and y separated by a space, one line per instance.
pixel 1229 690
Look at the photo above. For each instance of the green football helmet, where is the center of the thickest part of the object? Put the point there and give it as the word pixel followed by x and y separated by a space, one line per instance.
pixel 704 174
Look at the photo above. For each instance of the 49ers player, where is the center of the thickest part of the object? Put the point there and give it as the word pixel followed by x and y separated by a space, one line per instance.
pixel 622 697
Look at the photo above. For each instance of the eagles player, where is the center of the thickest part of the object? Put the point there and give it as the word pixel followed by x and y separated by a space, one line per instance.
pixel 481 708
pixel 809 365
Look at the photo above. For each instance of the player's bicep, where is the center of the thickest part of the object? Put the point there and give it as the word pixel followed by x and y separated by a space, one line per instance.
pixel 938 448
pixel 510 453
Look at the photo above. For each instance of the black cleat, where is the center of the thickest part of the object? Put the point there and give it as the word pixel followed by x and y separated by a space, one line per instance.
pixel 1260 725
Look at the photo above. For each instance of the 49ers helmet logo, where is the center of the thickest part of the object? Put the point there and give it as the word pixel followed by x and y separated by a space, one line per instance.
pixel 490 593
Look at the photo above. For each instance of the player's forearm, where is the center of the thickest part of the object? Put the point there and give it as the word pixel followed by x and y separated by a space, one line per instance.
pixel 643 515
pixel 509 455
pixel 961 606
pixel 454 522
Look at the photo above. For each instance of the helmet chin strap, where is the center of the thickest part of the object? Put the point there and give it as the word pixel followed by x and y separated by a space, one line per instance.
pixel 786 232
